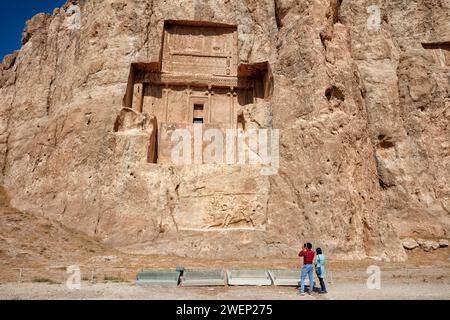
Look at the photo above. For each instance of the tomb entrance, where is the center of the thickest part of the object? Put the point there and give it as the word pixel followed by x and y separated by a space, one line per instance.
pixel 197 81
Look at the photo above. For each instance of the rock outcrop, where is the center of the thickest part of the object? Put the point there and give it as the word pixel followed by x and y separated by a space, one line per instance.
pixel 361 103
pixel 426 245
pixel 410 244
pixel 443 243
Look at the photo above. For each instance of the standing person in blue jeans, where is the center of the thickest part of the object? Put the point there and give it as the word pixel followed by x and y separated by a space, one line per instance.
pixel 308 257
pixel 319 264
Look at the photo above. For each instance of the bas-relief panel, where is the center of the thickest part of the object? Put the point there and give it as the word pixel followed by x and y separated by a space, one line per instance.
pixel 197 81
pixel 222 211
pixel 203 50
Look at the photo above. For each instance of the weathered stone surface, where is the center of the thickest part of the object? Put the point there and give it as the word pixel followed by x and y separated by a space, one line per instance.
pixel 435 245
pixel 408 108
pixel 104 259
pixel 443 243
pixel 363 116
pixel 428 245
pixel 9 60
pixel 409 243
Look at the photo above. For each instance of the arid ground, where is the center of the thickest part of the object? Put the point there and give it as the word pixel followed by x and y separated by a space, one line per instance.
pixel 424 276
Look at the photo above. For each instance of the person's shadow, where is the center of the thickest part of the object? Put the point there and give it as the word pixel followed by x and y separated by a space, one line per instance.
pixel 315 289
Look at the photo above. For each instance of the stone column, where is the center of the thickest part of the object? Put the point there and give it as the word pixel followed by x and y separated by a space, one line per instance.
pixel 166 102
pixel 188 105
pixel 210 95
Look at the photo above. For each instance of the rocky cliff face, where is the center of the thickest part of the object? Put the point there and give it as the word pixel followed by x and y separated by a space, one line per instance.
pixel 361 98
pixel 405 69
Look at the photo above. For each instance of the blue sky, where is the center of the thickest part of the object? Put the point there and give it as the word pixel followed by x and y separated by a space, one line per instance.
pixel 14 14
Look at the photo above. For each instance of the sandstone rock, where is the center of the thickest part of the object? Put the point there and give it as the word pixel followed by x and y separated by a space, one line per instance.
pixel 9 60
pixel 435 245
pixel 428 245
pixel 409 243
pixel 405 86
pixel 443 243
pixel 362 108
pixel 34 26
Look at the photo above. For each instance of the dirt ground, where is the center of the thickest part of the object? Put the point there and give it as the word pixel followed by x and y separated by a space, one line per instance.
pixel 402 289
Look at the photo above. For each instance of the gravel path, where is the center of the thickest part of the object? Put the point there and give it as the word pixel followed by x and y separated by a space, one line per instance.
pixel 354 289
